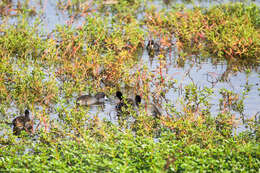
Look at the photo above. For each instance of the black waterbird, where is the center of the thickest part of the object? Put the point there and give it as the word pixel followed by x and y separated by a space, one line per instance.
pixel 22 123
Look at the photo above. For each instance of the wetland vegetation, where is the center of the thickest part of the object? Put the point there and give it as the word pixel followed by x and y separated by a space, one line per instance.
pixel 194 63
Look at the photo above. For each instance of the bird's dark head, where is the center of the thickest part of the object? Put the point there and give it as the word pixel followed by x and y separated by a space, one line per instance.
pixel 119 95
pixel 137 99
pixel 26 113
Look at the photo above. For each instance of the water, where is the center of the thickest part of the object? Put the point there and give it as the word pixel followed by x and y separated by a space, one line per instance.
pixel 199 73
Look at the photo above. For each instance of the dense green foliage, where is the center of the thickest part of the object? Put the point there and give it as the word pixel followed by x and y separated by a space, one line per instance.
pixel 119 151
pixel 230 30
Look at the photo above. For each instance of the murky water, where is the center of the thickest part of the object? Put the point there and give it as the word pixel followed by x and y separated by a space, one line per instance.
pixel 200 73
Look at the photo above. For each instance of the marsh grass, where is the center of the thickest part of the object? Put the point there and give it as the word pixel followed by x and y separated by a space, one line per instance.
pixel 44 72
pixel 227 31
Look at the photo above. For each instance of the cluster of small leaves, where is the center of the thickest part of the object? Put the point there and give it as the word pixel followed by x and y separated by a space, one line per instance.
pixel 118 151
pixel 210 29
pixel 21 40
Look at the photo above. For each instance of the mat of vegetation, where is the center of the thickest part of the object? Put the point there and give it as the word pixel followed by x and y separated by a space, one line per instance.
pixel 228 31
pixel 44 72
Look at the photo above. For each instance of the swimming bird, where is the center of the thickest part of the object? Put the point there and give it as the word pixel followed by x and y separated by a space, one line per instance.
pixel 123 102
pixel 150 108
pixel 22 123
pixel 126 108
pixel 152 46
pixel 126 103
pixel 88 100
